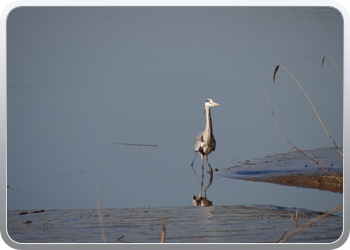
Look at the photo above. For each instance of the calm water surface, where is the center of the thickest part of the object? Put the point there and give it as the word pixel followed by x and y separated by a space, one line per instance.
pixel 82 80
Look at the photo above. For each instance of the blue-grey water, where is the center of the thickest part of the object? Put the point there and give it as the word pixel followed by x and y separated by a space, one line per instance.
pixel 83 80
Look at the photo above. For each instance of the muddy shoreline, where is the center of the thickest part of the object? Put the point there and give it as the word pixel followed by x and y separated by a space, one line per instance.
pixel 293 169
pixel 327 183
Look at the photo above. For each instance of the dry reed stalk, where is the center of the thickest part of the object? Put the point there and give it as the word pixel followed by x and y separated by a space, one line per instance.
pixel 319 118
pixel 295 219
pixel 310 157
pixel 99 215
pixel 162 238
pixel 334 67
pixel 298 229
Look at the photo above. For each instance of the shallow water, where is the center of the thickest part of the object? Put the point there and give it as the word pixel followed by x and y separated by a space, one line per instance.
pixel 217 224
pixel 226 189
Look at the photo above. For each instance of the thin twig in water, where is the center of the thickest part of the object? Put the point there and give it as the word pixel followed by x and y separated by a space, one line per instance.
pixel 298 229
pixel 196 239
pixel 334 67
pixel 92 212
pixel 120 239
pixel 311 158
pixel 319 118
pixel 130 144
pixel 162 238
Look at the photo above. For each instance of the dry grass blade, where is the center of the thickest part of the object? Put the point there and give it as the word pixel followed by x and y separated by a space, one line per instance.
pixel 334 67
pixel 311 158
pixel 162 239
pixel 298 229
pixel 274 73
pixel 319 118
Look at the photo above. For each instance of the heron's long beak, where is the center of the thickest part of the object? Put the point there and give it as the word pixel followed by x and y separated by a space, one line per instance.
pixel 215 104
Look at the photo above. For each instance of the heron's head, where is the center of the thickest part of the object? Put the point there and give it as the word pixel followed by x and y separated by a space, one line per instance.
pixel 210 103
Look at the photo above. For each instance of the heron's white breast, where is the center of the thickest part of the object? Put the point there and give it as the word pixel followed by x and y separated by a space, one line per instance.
pixel 207 150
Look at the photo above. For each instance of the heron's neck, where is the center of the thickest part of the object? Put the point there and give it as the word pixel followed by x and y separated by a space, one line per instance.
pixel 209 126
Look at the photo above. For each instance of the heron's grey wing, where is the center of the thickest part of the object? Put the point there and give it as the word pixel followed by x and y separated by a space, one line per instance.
pixel 198 141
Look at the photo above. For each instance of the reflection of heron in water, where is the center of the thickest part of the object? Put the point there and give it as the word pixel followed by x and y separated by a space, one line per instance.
pixel 205 141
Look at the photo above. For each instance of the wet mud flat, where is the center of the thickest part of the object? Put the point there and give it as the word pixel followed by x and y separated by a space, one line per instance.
pixel 215 224
pixel 293 169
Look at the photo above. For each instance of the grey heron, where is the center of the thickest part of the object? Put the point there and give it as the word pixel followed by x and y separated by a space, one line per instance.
pixel 205 142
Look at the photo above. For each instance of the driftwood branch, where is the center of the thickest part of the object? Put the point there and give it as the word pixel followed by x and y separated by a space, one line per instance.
pixel 298 229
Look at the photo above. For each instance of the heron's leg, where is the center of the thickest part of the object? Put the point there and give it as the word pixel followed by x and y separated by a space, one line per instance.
pixel 200 194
